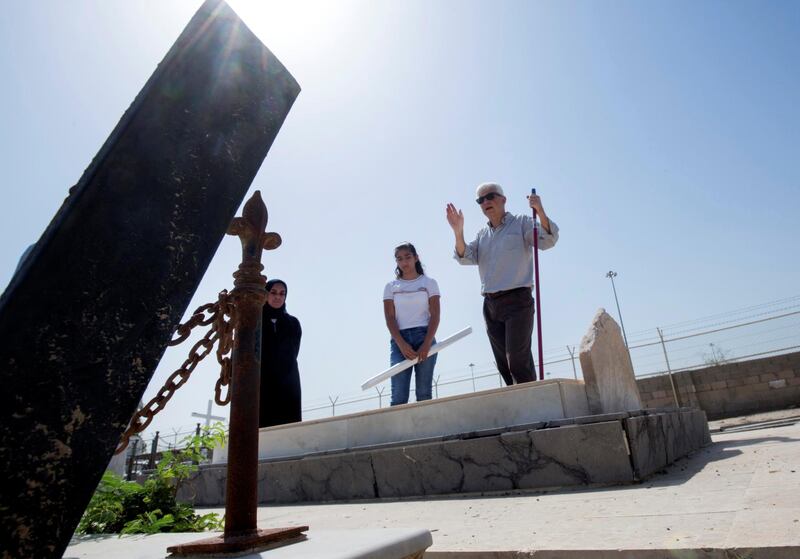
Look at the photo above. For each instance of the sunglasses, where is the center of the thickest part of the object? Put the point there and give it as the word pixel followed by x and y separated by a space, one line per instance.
pixel 489 196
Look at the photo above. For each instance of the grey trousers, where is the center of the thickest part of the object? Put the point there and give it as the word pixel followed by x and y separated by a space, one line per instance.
pixel 509 324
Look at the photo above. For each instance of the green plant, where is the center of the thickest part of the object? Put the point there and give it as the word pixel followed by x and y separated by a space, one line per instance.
pixel 126 507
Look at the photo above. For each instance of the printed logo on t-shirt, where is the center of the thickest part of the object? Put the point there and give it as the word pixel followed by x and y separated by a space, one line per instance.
pixel 404 292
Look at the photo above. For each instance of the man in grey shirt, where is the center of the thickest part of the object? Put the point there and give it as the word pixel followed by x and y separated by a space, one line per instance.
pixel 503 252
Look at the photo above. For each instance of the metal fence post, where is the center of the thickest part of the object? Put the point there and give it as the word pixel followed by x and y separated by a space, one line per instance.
pixel 669 370
pixel 196 434
pixel 472 374
pixel 572 357
pixel 151 463
pixel 333 405
pixel 132 459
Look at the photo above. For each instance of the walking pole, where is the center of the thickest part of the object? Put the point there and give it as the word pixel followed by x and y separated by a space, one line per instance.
pixel 536 286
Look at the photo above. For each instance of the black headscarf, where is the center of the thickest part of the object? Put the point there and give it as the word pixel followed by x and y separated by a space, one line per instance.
pixel 269 311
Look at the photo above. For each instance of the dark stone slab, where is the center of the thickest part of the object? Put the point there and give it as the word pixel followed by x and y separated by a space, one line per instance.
pixel 87 317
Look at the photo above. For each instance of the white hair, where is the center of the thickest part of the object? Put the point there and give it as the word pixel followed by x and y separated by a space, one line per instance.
pixel 487 187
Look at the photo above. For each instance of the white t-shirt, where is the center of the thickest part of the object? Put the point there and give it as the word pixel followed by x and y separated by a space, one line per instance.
pixel 411 300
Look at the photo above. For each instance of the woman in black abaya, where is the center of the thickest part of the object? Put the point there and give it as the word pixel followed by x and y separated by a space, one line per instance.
pixel 280 344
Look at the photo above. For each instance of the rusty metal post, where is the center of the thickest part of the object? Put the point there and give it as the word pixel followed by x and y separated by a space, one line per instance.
pixel 249 295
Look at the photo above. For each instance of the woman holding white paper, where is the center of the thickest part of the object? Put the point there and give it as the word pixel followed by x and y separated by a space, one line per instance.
pixel 411 308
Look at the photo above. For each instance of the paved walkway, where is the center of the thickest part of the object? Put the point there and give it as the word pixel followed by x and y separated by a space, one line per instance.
pixel 743 491
pixel 756 420
pixel 737 498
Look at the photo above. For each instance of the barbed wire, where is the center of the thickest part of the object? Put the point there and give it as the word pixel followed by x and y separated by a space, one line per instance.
pixel 759 354
pixel 484 371
pixel 784 301
pixel 648 357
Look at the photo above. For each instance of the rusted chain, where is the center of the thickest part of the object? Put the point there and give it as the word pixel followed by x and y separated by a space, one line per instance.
pixel 221 331
pixel 225 329
pixel 198 319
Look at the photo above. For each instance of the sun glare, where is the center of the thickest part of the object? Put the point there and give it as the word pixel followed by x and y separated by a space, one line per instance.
pixel 292 28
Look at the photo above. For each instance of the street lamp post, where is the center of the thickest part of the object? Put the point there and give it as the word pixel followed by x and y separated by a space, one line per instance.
pixel 611 275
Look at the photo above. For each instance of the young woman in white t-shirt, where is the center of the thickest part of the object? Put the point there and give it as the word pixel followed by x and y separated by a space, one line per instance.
pixel 411 307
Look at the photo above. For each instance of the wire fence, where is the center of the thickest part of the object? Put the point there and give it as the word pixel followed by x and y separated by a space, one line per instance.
pixel 142 454
pixel 746 333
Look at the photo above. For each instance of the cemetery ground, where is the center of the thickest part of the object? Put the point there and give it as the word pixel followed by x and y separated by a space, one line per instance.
pixel 738 497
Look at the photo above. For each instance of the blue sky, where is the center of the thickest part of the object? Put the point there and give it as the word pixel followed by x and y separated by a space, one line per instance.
pixel 663 137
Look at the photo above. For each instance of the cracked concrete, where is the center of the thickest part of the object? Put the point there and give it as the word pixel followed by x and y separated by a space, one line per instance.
pixel 738 497
pixel 617 451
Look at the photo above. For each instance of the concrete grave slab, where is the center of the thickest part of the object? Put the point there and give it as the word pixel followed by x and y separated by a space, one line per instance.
pixel 658 439
pixel 370 543
pixel 499 408
pixel 594 453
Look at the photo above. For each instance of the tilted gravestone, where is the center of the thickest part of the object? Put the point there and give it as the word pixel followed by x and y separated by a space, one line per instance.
pixel 607 369
pixel 87 317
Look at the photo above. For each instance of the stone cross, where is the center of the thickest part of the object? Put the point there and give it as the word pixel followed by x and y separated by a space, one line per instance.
pixel 207 416
pixel 607 369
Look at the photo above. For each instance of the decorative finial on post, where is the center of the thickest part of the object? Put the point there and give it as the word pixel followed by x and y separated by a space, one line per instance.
pixel 251 230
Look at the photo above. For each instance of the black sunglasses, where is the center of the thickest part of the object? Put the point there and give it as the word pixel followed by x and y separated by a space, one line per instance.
pixel 489 196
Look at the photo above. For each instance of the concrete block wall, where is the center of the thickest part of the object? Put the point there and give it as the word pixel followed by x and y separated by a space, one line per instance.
pixel 731 389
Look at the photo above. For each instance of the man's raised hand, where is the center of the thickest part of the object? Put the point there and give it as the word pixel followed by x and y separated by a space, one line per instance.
pixel 455 218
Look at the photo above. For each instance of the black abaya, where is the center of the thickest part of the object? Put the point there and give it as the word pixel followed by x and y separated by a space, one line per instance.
pixel 280 377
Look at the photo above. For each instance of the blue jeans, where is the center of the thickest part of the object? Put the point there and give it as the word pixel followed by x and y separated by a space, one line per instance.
pixel 423 372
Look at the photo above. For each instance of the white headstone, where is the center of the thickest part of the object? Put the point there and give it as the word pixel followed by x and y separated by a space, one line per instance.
pixel 607 370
